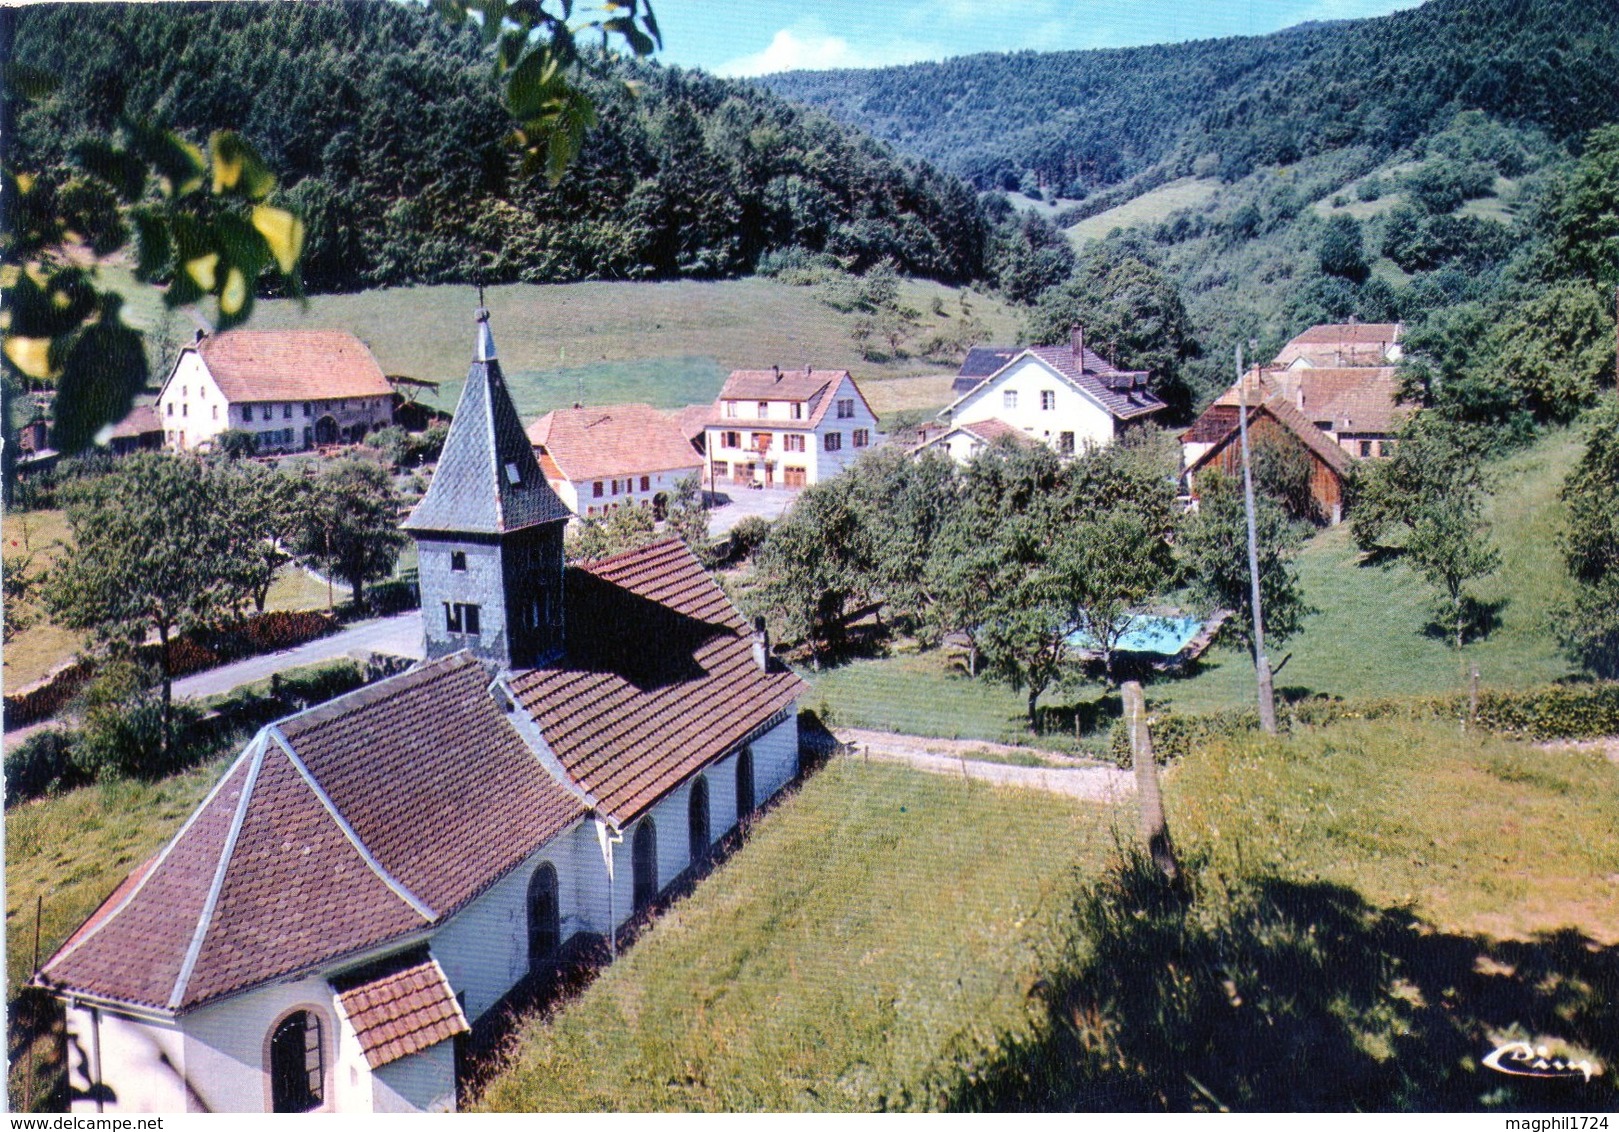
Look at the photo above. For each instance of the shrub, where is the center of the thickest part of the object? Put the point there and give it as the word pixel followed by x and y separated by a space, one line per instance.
pixel 749 535
pixel 1555 711
pixel 384 599
pixel 236 443
pixel 41 763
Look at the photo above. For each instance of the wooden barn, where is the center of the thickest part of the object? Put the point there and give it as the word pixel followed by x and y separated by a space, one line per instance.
pixel 1276 420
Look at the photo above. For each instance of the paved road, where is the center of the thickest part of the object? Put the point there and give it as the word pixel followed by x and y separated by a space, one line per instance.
pixel 735 502
pixel 1094 782
pixel 400 635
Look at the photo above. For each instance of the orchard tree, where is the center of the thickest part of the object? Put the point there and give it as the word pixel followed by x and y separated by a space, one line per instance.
pixel 689 515
pixel 351 525
pixel 1214 554
pixel 1590 620
pixel 151 555
pixel 264 513
pixel 1424 505
pixel 815 565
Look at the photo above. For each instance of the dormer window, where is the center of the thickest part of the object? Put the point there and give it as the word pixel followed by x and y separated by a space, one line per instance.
pixel 764 409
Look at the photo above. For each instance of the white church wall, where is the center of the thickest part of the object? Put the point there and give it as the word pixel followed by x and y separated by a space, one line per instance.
pixel 141 1068
pixel 422 1082
pixel 227 1047
pixel 484 947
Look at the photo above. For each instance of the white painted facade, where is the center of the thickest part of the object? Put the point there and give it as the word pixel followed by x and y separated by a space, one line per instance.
pixel 217 1057
pixel 781 449
pixel 1032 396
pixel 194 411
pixel 595 498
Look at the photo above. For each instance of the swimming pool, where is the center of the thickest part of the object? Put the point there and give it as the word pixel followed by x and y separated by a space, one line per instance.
pixel 1162 635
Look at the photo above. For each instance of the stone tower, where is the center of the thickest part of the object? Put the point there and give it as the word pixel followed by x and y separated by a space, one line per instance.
pixel 489 532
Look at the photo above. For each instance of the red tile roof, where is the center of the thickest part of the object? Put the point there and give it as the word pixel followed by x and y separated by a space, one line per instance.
pixel 1342 344
pixel 1360 399
pixel 140 421
pixel 987 431
pixel 628 721
pixel 691 420
pixel 810 387
pixel 399 1006
pixel 292 365
pixel 1281 410
pixel 600 441
pixel 339 830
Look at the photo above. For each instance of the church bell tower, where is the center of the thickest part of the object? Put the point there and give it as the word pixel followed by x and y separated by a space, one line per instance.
pixel 489 532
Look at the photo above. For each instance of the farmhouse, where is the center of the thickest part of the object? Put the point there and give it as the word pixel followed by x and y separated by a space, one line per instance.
pixel 787 428
pixel 1275 421
pixel 1357 407
pixel 373 876
pixel 601 458
pixel 1339 345
pixel 292 389
pixel 1067 396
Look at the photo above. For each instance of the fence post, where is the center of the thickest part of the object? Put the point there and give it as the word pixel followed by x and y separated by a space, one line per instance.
pixel 1154 825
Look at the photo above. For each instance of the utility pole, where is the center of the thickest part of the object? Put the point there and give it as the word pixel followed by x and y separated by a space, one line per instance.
pixel 1267 694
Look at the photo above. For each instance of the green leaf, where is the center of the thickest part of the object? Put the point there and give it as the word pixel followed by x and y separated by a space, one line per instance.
pixel 102 372
pixel 180 164
pixel 153 244
pixel 283 232
pixel 451 10
pixel 238 168
pixel 125 172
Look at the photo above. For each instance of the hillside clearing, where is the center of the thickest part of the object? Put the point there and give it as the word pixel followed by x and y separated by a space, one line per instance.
pixel 1148 208
pixel 860 942
pixel 668 344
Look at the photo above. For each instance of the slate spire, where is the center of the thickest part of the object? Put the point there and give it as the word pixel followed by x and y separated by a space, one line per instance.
pixel 489 531
pixel 488 481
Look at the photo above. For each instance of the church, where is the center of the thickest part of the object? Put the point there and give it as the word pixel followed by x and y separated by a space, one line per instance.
pixel 372 876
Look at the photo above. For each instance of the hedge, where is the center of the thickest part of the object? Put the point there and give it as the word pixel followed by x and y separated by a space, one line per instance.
pixel 1554 711
pixel 188 653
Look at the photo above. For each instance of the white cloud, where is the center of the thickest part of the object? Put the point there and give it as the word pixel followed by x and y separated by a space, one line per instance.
pixel 808 50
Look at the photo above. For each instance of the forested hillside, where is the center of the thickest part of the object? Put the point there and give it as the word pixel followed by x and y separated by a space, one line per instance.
pixel 1072 122
pixel 387 132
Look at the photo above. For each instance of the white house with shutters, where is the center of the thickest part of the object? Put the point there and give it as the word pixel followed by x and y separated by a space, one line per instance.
pixel 1067 396
pixel 786 428
pixel 371 879
pixel 290 389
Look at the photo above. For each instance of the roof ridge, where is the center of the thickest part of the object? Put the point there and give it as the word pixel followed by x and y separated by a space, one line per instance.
pixel 420 907
pixel 423 671
pixel 623 555
pixel 154 863
pixel 523 722
pixel 200 933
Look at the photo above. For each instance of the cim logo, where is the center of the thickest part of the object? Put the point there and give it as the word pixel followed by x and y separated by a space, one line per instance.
pixel 1520 1059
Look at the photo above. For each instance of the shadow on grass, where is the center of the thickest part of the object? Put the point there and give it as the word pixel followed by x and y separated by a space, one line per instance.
pixel 1268 994
pixel 1479 620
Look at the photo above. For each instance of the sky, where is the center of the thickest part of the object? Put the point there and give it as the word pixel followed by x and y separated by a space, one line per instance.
pixel 756 37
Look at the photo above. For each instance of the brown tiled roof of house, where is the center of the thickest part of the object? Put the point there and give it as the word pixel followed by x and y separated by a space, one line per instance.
pixel 662 684
pixel 292 365
pixel 140 421
pixel 1281 410
pixel 612 440
pixel 1342 344
pixel 691 420
pixel 1212 425
pixel 1361 399
pixel 339 830
pixel 813 388
pixel 399 1006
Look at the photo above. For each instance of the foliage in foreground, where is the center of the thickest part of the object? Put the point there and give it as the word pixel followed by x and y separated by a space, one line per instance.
pixel 1265 993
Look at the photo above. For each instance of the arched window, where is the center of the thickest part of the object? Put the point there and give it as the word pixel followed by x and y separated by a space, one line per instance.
pixel 544 920
pixel 296 1072
pixel 697 815
pixel 744 783
pixel 644 854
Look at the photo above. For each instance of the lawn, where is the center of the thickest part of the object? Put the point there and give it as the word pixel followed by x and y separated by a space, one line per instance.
pixel 1148 208
pixel 1477 834
pixel 858 944
pixel 668 344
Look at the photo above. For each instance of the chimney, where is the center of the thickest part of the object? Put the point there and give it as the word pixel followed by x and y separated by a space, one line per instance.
pixel 761 644
pixel 201 334
pixel 777 371
pixel 808 371
pixel 1076 341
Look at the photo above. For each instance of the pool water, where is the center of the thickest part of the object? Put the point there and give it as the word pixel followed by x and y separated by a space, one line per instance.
pixel 1150 633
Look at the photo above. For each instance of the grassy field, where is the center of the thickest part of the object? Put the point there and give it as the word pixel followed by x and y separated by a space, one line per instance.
pixel 1148 208
pixel 1478 835
pixel 860 941
pixel 668 344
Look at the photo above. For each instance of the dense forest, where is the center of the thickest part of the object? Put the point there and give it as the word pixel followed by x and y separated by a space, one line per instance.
pixel 1071 122
pixel 387 132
